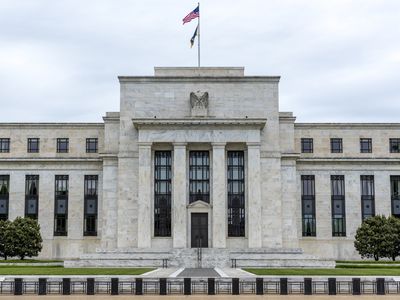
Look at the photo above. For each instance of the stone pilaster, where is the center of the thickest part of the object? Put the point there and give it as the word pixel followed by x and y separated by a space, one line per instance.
pixel 144 205
pixel 179 214
pixel 254 195
pixel 219 196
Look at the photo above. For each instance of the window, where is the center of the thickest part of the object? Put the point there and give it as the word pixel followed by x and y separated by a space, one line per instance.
pixel 336 145
pixel 90 206
pixel 367 196
pixel 91 145
pixel 33 145
pixel 394 145
pixel 395 190
pixel 365 145
pixel 61 205
pixel 31 196
pixel 4 145
pixel 338 206
pixel 236 198
pixel 308 205
pixel 162 193
pixel 62 145
pixel 307 145
pixel 4 194
pixel 199 176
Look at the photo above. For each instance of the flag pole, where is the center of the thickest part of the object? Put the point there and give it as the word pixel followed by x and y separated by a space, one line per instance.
pixel 198 38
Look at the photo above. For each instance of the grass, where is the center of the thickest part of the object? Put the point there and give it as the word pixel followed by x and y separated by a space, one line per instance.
pixel 328 272
pixel 368 262
pixel 59 270
pixel 30 261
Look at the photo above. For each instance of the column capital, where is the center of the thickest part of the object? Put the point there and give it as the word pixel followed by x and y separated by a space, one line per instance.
pixel 145 144
pixel 179 144
pixel 218 145
pixel 253 144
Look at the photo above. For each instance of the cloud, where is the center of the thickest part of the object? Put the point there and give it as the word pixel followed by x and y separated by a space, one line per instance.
pixel 339 59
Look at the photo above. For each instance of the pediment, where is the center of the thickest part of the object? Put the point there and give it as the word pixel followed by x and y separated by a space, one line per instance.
pixel 199 204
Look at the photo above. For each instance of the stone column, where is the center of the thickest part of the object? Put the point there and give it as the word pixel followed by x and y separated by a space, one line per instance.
pixel 144 197
pixel 179 211
pixel 254 207
pixel 219 196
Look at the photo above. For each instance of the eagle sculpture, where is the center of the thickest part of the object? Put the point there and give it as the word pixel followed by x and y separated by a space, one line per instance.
pixel 199 101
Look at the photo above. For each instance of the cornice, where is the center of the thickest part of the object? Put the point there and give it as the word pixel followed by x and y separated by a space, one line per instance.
pixel 347 126
pixel 50 159
pixel 348 160
pixel 151 122
pixel 208 79
pixel 52 125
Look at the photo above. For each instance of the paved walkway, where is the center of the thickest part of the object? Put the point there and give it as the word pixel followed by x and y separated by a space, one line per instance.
pixel 204 272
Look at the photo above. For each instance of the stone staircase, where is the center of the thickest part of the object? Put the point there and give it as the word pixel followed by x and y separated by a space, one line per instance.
pixel 210 258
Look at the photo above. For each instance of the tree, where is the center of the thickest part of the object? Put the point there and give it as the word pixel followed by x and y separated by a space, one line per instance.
pixel 370 240
pixel 6 239
pixel 392 238
pixel 27 239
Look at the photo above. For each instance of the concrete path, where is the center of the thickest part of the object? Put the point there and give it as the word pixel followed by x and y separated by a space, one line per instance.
pixel 203 272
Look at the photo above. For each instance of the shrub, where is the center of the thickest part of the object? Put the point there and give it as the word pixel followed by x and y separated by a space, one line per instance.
pixel 28 241
pixel 20 238
pixel 6 239
pixel 369 239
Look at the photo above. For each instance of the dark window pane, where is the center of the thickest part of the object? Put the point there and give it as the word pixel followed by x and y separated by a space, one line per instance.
pixel 90 205
pixel 199 176
pixel 61 205
pixel 4 196
pixel 365 145
pixel 33 145
pixel 91 145
pixel 336 145
pixel 308 205
pixel 4 145
pixel 394 145
pixel 162 193
pixel 236 196
pixel 395 191
pixel 63 145
pixel 338 206
pixel 307 145
pixel 31 196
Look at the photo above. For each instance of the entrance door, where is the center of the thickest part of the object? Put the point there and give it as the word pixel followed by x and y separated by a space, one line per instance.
pixel 199 230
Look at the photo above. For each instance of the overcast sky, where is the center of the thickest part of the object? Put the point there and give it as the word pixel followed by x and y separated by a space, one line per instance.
pixel 339 60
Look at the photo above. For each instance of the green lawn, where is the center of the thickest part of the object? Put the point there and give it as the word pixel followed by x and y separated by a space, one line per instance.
pixel 58 270
pixel 30 261
pixel 328 272
pixel 368 262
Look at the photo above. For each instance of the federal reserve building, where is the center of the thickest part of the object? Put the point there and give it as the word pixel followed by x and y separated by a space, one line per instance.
pixel 199 160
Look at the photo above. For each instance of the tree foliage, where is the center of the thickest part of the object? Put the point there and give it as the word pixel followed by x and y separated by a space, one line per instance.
pixel 378 237
pixel 20 238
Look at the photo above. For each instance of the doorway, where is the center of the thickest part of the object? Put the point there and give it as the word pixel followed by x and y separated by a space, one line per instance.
pixel 199 232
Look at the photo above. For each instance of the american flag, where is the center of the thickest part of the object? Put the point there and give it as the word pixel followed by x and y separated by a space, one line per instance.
pixel 192 15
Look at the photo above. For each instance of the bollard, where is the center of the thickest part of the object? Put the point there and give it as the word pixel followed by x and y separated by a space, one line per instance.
pixel 187 289
pixel 66 286
pixel 18 286
pixel 380 286
pixel 283 286
pixel 259 286
pixel 211 286
pixel 235 286
pixel 42 286
pixel 356 286
pixel 139 286
pixel 90 286
pixel 114 286
pixel 163 286
pixel 332 286
pixel 307 286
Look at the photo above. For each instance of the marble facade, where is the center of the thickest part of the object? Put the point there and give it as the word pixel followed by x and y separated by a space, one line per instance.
pixel 208 109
